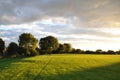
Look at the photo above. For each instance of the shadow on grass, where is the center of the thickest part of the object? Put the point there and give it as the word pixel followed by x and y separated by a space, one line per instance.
pixel 8 62
pixel 110 72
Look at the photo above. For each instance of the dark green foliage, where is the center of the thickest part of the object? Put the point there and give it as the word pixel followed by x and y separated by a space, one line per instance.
pixel 12 49
pixel 27 52
pixel 48 44
pixel 33 52
pixel 64 48
pixel 61 48
pixel 21 51
pixel 110 52
pixel 67 47
pixel 27 45
pixel 73 50
pixel 99 51
pixel 78 51
pixel 89 52
pixel 2 46
pixel 38 50
pixel 117 52
pixel 27 40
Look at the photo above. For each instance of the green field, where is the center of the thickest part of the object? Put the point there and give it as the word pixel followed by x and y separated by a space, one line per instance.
pixel 61 67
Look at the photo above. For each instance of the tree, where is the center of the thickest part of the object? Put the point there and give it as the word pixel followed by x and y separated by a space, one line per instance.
pixel 27 45
pixel 27 40
pixel 67 47
pixel 60 49
pixel 89 52
pixel 48 44
pixel 117 52
pixel 21 51
pixel 110 52
pixel 2 46
pixel 99 51
pixel 64 48
pixel 12 49
pixel 78 51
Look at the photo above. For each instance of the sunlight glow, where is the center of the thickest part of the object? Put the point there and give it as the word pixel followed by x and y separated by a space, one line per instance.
pixel 115 31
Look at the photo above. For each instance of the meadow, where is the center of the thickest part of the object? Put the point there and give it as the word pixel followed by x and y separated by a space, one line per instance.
pixel 61 67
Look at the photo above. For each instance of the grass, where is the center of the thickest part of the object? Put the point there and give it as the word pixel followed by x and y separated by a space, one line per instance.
pixel 61 67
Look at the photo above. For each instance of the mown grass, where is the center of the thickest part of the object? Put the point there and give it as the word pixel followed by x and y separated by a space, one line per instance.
pixel 61 67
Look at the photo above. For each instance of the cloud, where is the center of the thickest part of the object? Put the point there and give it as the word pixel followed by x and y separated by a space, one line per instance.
pixel 80 22
pixel 63 31
pixel 89 12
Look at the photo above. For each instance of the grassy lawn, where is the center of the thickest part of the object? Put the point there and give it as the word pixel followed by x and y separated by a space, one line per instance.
pixel 61 67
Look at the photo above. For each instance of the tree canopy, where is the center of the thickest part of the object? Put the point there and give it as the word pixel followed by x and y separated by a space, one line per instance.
pixel 48 43
pixel 27 40
pixel 68 47
pixel 12 48
pixel 64 48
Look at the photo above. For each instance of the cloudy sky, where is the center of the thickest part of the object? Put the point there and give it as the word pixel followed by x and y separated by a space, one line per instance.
pixel 86 24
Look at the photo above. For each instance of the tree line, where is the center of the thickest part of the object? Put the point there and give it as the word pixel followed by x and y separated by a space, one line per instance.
pixel 30 46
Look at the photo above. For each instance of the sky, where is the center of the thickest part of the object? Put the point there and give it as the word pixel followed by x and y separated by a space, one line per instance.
pixel 86 24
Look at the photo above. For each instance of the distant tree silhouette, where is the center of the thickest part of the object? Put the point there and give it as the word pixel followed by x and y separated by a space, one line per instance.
pixel 64 48
pixel 61 48
pixel 89 52
pixel 110 52
pixel 78 51
pixel 2 46
pixel 117 52
pixel 12 49
pixel 67 47
pixel 99 51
